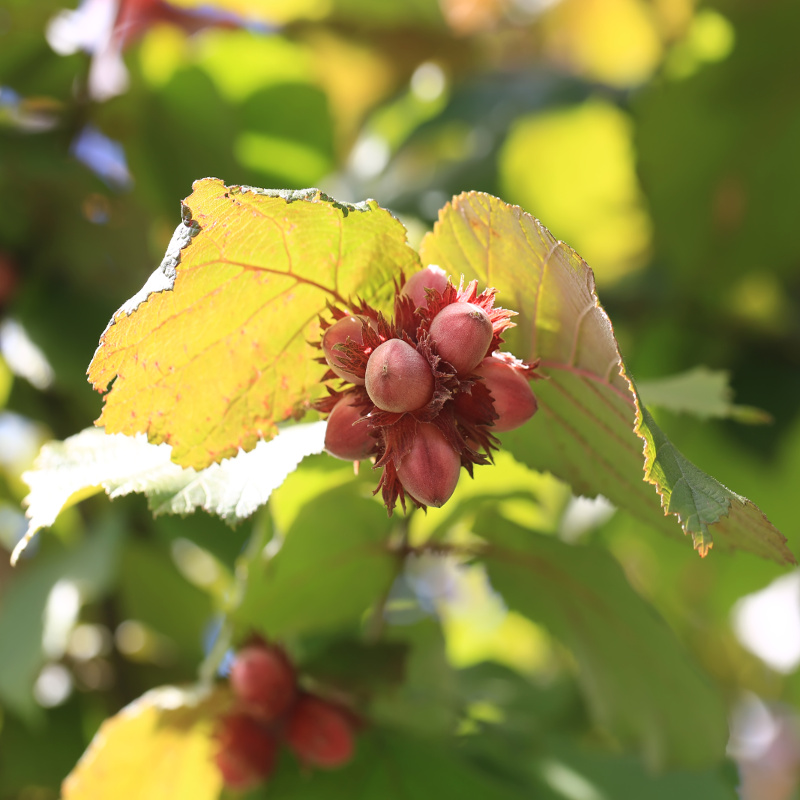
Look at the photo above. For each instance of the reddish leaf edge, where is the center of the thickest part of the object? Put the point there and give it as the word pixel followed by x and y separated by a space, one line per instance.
pixel 654 440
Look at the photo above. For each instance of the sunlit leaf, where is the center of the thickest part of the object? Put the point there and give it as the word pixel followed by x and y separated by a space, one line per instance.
pixel 213 351
pixel 614 41
pixel 700 391
pixel 160 746
pixel 576 166
pixel 92 460
pixel 591 430
pixel 637 679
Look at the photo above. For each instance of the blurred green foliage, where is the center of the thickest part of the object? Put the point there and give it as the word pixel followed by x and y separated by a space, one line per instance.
pixel 657 137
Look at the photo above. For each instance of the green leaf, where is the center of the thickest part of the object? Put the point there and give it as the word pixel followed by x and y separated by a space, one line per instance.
pixel 355 666
pixel 590 430
pixel 703 392
pixel 711 206
pixel 159 747
pixel 90 461
pixel 213 351
pixel 637 679
pixel 427 702
pixel 330 568
pixel 393 766
pixel 700 501
pixel 177 614
pixel 527 708
pixel 567 767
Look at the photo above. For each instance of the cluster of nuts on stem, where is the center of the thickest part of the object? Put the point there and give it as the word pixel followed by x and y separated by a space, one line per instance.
pixel 425 392
pixel 270 710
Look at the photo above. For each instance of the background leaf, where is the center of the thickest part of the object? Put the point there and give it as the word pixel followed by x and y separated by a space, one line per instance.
pixel 213 364
pixel 639 683
pixel 584 432
pixel 427 703
pixel 356 666
pixel 700 391
pixel 565 768
pixel 394 766
pixel 91 568
pixel 328 571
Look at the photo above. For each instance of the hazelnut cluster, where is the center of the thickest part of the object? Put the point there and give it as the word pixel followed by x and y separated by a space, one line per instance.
pixel 424 392
pixel 271 710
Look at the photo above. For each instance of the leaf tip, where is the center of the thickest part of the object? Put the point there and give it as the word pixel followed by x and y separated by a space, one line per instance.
pixel 702 542
pixel 20 546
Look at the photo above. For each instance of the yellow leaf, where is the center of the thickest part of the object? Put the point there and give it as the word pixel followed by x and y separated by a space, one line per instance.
pixel 214 351
pixel 160 747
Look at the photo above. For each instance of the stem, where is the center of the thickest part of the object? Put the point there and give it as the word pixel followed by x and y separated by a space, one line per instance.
pixel 373 630
pixel 208 669
pixel 262 532
pixel 376 623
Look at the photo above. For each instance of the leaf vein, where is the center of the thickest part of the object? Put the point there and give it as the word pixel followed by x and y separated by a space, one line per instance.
pixel 634 489
pixel 629 446
pixel 538 296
